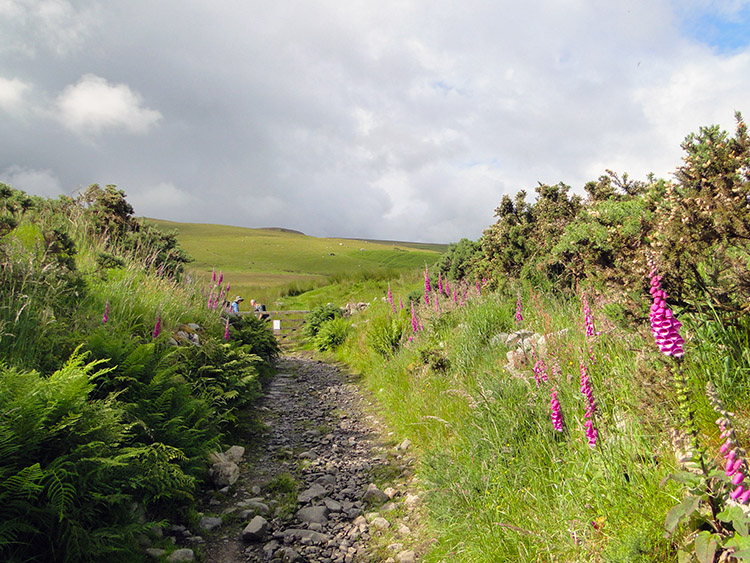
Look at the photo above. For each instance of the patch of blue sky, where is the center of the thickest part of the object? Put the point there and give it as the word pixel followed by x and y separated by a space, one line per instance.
pixel 726 32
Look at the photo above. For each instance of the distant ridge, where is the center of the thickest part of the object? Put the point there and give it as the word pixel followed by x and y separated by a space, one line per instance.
pixel 282 230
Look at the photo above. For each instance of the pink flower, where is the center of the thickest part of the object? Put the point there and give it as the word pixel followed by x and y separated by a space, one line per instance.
pixel 519 311
pixel 440 282
pixel 554 404
pixel 157 329
pixel 427 286
pixel 664 326
pixel 414 321
pixel 540 372
pixel 390 298
pixel 479 289
pixel 221 277
pixel 226 330
pixel 213 275
pixel 105 316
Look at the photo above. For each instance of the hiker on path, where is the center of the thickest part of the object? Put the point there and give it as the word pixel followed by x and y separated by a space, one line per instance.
pixel 260 310
pixel 235 306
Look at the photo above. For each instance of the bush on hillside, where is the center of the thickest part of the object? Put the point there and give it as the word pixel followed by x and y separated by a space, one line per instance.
pixel 332 334
pixel 318 316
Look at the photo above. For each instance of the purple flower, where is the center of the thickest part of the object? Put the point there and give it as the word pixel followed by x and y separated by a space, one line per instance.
pixel 591 432
pixel 519 311
pixel 400 304
pixel 157 329
pixel 414 321
pixel 588 319
pixel 221 277
pixel 213 275
pixel 105 316
pixel 554 404
pixel 540 372
pixel 440 282
pixel 664 326
pixel 479 289
pixel 390 298
pixel 455 297
pixel 427 286
pixel 226 330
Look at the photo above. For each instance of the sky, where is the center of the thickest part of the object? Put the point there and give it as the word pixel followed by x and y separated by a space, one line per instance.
pixel 388 119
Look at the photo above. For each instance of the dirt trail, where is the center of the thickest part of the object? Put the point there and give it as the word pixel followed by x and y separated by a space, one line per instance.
pixel 307 490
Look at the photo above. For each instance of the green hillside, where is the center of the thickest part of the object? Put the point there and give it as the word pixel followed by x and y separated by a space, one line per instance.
pixel 272 263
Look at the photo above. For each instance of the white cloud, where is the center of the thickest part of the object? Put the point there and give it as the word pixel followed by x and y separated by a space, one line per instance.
pixel 12 94
pixel 35 182
pixel 93 105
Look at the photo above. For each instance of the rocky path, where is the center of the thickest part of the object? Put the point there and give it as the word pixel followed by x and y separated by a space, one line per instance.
pixel 319 486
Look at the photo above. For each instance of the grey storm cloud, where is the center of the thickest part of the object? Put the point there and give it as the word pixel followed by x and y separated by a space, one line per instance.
pixel 393 120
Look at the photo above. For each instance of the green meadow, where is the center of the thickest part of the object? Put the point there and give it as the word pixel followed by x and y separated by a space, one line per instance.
pixel 287 269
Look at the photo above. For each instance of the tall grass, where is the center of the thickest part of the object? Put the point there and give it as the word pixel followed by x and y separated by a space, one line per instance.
pixel 501 483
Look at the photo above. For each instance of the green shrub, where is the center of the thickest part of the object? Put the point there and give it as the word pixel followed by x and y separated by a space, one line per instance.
pixel 385 334
pixel 318 316
pixel 332 334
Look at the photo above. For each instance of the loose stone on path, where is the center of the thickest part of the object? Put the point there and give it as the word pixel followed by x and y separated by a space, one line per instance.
pixel 304 496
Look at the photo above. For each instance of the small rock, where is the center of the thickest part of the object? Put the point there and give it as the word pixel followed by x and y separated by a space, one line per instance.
pixel 256 530
pixel 332 505
pixel 406 557
pixel 288 555
pixel 391 492
pixel 181 555
pixel 234 454
pixel 404 530
pixel 224 473
pixel 405 445
pixel 374 494
pixel 315 491
pixel 380 523
pixel 155 553
pixel 209 523
pixel 318 514
pixel 411 500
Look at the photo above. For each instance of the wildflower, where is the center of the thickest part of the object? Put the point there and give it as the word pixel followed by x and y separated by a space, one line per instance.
pixel 400 304
pixel 588 319
pixel 390 298
pixel 414 321
pixel 229 286
pixel 226 330
pixel 447 289
pixel 213 275
pixel 664 326
pixel 540 372
pixel 591 432
pixel 105 316
pixel 157 329
pixel 735 465
pixel 455 297
pixel 440 282
pixel 479 289
pixel 557 419
pixel 221 277
pixel 427 286
pixel 519 310
pixel 587 392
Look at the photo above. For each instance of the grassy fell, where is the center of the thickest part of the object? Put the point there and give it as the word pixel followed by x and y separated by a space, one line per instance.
pixel 269 264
